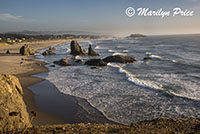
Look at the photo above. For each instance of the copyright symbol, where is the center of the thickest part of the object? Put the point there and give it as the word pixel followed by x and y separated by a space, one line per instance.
pixel 130 11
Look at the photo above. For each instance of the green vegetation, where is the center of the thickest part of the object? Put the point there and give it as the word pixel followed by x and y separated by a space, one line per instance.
pixel 18 38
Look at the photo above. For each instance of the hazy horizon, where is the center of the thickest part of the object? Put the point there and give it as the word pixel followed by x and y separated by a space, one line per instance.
pixel 106 17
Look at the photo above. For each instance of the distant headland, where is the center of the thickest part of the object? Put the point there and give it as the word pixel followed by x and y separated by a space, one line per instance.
pixel 135 36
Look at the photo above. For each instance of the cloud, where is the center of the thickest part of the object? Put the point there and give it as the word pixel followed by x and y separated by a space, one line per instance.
pixel 10 17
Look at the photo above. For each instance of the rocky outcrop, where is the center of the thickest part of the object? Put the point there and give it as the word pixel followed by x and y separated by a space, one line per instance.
pixel 52 48
pixel 76 49
pixel 147 58
pixel 7 52
pixel 79 61
pixel 48 52
pixel 132 36
pixel 91 52
pixel 119 59
pixel 26 50
pixel 95 62
pixel 62 62
pixel 13 113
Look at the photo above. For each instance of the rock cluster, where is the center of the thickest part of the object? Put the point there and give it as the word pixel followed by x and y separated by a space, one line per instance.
pixel 7 52
pixel 13 113
pixel 76 49
pixel 26 50
pixel 48 52
pixel 119 59
pixel 91 52
pixel 62 62
pixel 95 62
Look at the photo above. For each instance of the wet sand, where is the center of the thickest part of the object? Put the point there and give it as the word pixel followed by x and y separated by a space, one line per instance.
pixel 52 106
pixel 24 69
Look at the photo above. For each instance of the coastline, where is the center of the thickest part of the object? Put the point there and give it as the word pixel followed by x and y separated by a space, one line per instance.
pixel 10 64
pixel 26 80
pixel 75 113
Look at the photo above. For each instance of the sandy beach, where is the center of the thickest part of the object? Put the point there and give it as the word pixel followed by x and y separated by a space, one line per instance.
pixel 58 112
pixel 42 96
pixel 10 64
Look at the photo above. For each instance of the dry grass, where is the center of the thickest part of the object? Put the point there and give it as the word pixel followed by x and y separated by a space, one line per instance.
pixel 3 44
pixel 157 126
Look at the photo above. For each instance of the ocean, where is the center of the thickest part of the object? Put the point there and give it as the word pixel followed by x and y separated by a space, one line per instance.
pixel 168 85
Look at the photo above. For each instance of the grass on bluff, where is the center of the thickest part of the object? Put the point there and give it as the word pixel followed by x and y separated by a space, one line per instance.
pixel 3 44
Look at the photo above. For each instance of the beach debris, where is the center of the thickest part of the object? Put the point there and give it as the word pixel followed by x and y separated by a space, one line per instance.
pixel 91 52
pixel 76 49
pixel 34 113
pixel 7 52
pixel 62 62
pixel 48 52
pixel 119 59
pixel 26 50
pixel 96 62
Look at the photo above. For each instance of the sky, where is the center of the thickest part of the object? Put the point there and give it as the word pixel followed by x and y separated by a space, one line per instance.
pixel 98 16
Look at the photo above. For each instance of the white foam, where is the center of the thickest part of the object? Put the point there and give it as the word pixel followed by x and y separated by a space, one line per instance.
pixel 78 57
pixel 148 54
pixel 118 54
pixel 184 87
pixel 174 61
pixel 100 47
pixel 125 51
pixel 136 81
pixel 112 51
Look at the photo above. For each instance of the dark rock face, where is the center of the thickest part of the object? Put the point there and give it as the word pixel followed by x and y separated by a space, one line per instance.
pixel 79 61
pixel 26 50
pixel 147 58
pixel 91 52
pixel 119 59
pixel 95 62
pixel 76 49
pixel 48 52
pixel 62 62
pixel 52 66
pixel 96 67
pixel 7 52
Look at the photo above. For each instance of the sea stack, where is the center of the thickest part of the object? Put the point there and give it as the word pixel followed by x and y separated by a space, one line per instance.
pixel 26 50
pixel 76 49
pixel 91 52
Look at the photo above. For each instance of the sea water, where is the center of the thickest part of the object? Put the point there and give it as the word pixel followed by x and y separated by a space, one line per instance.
pixel 168 85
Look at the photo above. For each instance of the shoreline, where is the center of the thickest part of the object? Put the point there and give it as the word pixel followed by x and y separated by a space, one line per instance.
pixel 82 111
pixel 10 64
pixel 26 80
pixel 76 109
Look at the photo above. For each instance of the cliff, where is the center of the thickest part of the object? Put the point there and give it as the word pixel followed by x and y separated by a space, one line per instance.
pixel 13 113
